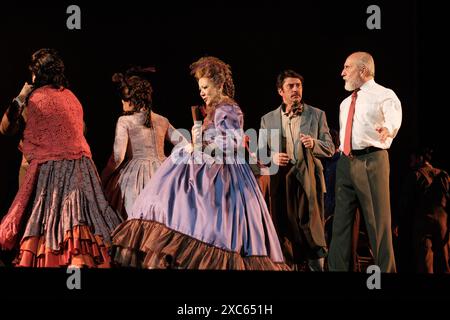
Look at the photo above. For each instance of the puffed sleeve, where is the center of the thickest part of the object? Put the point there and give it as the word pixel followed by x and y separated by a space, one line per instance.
pixel 228 122
pixel 119 149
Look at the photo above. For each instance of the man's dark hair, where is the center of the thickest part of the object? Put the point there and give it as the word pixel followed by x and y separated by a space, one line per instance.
pixel 288 74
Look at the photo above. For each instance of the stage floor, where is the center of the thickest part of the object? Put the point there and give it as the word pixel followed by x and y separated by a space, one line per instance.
pixel 217 286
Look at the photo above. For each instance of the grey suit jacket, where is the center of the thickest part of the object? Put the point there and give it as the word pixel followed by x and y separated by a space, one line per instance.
pixel 313 123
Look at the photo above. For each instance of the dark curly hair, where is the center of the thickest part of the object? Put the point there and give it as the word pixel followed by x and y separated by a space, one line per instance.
pixel 48 69
pixel 215 69
pixel 133 87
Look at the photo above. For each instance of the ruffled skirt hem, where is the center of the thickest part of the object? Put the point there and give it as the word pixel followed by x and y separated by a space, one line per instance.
pixel 152 245
pixel 80 248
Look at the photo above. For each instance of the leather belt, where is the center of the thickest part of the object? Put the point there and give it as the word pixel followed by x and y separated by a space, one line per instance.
pixel 364 151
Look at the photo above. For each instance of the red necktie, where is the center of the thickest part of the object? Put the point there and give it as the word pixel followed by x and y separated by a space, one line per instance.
pixel 348 126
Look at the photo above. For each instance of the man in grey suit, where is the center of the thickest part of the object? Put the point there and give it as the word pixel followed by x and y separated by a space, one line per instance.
pixel 291 131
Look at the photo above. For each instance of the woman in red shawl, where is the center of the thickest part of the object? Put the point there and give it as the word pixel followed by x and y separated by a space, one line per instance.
pixel 59 214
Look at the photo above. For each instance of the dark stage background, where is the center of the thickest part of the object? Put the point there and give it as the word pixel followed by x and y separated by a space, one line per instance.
pixel 258 39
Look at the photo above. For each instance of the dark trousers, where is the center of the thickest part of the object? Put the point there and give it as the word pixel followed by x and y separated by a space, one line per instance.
pixel 364 181
pixel 278 211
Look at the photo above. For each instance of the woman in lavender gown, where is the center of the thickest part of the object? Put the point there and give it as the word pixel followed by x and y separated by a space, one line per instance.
pixel 201 210
pixel 139 142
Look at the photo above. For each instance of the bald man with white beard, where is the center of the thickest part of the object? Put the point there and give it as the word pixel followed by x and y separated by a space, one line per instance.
pixel 369 120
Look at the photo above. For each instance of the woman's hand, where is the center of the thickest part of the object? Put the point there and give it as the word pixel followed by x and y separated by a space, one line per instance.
pixel 197 134
pixel 26 89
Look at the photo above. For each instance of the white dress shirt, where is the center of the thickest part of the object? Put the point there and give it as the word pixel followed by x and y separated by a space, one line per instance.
pixel 376 107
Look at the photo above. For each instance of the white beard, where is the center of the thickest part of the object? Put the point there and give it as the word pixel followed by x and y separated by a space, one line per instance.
pixel 349 86
pixel 352 85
